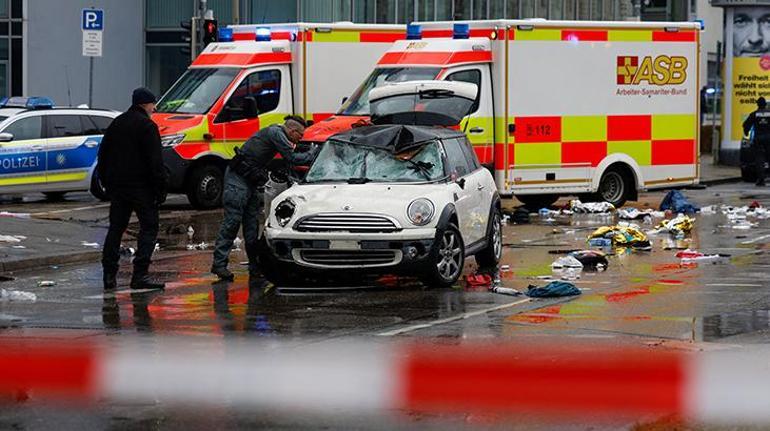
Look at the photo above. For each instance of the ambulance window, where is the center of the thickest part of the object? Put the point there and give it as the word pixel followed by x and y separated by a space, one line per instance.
pixel 26 128
pixel 472 76
pixel 264 86
pixel 62 126
pixel 456 161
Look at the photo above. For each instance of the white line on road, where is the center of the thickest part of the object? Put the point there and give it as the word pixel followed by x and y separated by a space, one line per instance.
pixel 450 319
pixel 733 285
pixel 757 239
pixel 70 210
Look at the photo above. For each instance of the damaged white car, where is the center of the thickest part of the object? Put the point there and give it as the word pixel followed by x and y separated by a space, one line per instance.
pixel 388 199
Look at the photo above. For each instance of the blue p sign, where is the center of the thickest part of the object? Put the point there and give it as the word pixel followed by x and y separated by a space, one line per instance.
pixel 92 19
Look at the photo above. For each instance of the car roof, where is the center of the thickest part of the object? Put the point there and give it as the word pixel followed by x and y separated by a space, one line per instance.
pixel 395 137
pixel 12 111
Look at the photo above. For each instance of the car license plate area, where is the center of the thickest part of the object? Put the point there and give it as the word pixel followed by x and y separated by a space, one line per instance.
pixel 344 245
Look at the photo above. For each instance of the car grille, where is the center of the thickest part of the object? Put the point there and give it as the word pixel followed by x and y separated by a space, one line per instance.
pixel 350 258
pixel 346 222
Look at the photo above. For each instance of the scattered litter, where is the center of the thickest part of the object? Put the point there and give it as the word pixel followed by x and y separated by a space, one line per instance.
pixel 678 226
pixel 505 291
pixel 190 233
pixel 237 243
pixel 630 213
pixel 591 259
pixel 505 268
pixel 520 216
pixel 157 247
pixel 14 215
pixel 18 246
pixel 506 219
pixel 552 290
pixel 742 225
pixel 676 202
pixel 478 280
pixel 563 251
pixel 89 244
pixel 127 251
pixel 566 262
pixel 200 246
pixel 691 257
pixel 622 235
pixel 12 238
pixel 52 240
pixel 591 207
pixel 46 283
pixel 17 295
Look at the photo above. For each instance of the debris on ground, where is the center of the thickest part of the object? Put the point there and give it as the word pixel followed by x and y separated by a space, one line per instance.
pixel 676 202
pixel 190 233
pixel 566 262
pixel 89 244
pixel 630 213
pixel 591 259
pixel 12 238
pixel 237 243
pixel 46 283
pixel 553 289
pixel 199 246
pixel 622 235
pixel 17 296
pixel 520 216
pixel 578 207
pixel 678 226
pixel 567 268
pixel 478 280
pixel 15 215
pixel 690 257
pixel 505 291
pixel 127 251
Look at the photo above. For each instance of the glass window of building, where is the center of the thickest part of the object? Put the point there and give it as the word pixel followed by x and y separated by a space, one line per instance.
pixel 164 65
pixel 496 9
pixel 341 10
pixel 543 8
pixel 363 10
pixel 512 9
pixel 609 10
pixel 406 11
pixel 386 12
pixel 269 11
pixel 584 10
pixel 557 9
pixel 223 11
pixel 167 13
pixel 3 8
pixel 317 11
pixel 570 9
pixel 463 9
pixel 527 8
pixel 444 10
pixel 480 9
pixel 426 10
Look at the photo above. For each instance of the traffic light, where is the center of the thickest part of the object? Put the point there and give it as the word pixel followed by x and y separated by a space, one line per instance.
pixel 190 38
pixel 210 31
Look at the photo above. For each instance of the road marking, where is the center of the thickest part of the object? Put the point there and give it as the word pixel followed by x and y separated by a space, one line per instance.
pixel 451 319
pixel 70 210
pixel 733 285
pixel 757 239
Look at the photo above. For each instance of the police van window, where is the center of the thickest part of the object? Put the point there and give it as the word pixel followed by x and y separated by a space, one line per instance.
pixel 472 76
pixel 26 128
pixel 470 154
pixel 264 86
pixel 62 126
pixel 456 161
pixel 96 125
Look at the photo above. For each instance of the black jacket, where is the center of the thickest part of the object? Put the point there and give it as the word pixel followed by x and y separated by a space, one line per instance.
pixel 130 153
pixel 760 121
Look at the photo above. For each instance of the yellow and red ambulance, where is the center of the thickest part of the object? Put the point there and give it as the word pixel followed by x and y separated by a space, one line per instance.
pixel 597 109
pixel 253 77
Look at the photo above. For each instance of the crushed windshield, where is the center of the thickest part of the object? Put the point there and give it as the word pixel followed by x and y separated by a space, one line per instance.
pixel 196 91
pixel 339 161
pixel 358 104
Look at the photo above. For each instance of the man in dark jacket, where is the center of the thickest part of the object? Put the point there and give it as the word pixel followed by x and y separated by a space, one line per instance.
pixel 759 120
pixel 131 168
pixel 245 179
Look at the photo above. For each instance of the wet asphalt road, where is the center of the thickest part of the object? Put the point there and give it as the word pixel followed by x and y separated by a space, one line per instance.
pixel 644 298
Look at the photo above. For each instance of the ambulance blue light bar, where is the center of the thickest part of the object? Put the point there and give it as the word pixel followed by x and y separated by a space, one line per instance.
pixel 225 35
pixel 461 31
pixel 28 103
pixel 263 34
pixel 413 32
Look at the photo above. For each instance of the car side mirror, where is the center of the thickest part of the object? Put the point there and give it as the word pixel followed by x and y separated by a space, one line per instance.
pixel 344 99
pixel 6 137
pixel 461 183
pixel 250 109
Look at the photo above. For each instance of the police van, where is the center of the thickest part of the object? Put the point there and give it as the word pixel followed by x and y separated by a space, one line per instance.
pixel 48 149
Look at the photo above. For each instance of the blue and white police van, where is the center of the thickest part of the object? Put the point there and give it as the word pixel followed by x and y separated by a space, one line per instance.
pixel 46 149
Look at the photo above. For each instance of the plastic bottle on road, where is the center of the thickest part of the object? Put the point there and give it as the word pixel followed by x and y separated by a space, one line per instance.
pixel 505 291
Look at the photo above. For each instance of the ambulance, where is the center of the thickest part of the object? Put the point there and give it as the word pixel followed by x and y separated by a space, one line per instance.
pixel 601 110
pixel 252 78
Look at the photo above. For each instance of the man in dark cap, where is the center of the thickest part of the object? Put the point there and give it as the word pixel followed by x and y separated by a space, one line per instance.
pixel 245 179
pixel 131 168
pixel 759 120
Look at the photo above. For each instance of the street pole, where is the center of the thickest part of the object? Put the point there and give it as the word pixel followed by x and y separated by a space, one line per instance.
pixel 716 142
pixel 90 82
pixel 236 12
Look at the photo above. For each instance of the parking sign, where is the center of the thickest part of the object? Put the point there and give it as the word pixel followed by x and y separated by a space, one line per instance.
pixel 92 19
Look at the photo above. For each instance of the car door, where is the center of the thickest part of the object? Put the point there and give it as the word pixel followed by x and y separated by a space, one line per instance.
pixel 265 88
pixel 466 197
pixel 479 181
pixel 71 151
pixel 479 125
pixel 22 156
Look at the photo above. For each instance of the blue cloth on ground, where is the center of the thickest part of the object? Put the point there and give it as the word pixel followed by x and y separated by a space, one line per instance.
pixel 553 289
pixel 678 203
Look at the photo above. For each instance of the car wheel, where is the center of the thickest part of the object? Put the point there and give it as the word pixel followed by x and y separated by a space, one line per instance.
pixel 490 256
pixel 535 202
pixel 448 259
pixel 614 187
pixel 204 187
pixel 54 196
pixel 97 188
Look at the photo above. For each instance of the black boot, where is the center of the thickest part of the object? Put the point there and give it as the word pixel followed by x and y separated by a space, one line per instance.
pixel 144 281
pixel 224 274
pixel 110 280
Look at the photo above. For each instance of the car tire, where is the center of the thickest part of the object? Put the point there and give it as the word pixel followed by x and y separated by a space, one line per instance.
pixel 535 202
pixel 97 189
pixel 205 186
pixel 447 259
pixel 490 256
pixel 54 196
pixel 614 187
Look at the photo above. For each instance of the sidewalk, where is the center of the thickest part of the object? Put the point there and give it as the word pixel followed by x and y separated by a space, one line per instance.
pixel 46 243
pixel 711 174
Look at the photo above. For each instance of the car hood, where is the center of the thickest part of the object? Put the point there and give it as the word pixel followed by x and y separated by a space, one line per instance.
pixel 321 131
pixel 391 199
pixel 171 124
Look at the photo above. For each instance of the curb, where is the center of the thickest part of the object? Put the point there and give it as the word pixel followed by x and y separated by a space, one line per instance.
pixel 59 259
pixel 718 181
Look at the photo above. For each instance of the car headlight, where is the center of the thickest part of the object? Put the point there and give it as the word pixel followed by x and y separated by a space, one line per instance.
pixel 171 140
pixel 284 211
pixel 420 211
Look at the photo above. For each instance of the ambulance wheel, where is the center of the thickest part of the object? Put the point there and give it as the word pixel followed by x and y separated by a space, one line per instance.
pixel 615 186
pixel 54 196
pixel 535 202
pixel 204 187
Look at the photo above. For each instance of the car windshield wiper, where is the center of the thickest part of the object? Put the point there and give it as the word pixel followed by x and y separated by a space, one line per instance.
pixel 423 167
pixel 358 180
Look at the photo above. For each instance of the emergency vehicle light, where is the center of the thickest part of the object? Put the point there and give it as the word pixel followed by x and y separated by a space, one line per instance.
pixel 702 24
pixel 461 31
pixel 263 34
pixel 28 102
pixel 225 35
pixel 413 32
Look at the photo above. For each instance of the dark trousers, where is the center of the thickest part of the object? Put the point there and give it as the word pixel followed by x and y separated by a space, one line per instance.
pixel 762 154
pixel 122 203
pixel 242 204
